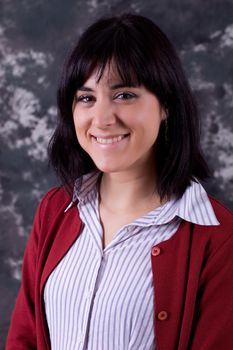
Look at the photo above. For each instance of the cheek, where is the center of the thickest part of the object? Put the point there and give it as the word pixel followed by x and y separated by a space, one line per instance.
pixel 79 123
pixel 152 130
pixel 81 126
pixel 78 130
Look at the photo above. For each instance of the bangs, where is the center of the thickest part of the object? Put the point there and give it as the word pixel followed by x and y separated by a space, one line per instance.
pixel 122 67
pixel 117 51
pixel 124 70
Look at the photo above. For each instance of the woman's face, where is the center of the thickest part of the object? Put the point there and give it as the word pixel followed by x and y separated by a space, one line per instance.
pixel 117 125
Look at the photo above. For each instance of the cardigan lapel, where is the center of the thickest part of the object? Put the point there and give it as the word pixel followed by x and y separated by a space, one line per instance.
pixel 65 232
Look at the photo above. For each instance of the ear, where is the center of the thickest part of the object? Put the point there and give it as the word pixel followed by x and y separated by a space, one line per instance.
pixel 164 113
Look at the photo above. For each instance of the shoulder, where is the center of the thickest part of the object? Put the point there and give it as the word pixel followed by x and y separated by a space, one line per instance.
pixel 223 214
pixel 217 236
pixel 56 193
pixel 56 196
pixel 54 202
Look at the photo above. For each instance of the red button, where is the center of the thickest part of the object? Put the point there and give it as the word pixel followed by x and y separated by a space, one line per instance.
pixel 155 251
pixel 162 315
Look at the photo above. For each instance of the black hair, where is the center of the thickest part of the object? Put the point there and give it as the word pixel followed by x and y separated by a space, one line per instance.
pixel 143 55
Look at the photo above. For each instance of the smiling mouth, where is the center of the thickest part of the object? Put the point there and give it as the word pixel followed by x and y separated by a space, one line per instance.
pixel 110 140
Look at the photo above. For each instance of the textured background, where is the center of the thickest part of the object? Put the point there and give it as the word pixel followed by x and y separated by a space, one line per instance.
pixel 35 36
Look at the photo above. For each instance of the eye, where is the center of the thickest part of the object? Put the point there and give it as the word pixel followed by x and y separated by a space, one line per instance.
pixel 84 98
pixel 125 96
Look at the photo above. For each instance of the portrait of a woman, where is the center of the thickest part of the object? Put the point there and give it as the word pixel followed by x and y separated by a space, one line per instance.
pixel 130 252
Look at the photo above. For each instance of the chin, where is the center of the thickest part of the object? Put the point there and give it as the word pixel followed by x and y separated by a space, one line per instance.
pixel 108 168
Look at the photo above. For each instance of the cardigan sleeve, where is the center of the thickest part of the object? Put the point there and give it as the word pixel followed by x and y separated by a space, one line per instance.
pixel 22 331
pixel 213 319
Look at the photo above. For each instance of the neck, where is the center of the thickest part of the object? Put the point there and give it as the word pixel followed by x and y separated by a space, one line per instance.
pixel 129 191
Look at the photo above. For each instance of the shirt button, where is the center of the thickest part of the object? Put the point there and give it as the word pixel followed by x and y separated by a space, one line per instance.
pixel 162 315
pixel 155 251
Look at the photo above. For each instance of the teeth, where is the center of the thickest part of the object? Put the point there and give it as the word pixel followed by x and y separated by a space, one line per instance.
pixel 109 141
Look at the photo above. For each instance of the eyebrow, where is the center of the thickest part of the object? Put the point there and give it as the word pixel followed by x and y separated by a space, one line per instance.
pixel 112 87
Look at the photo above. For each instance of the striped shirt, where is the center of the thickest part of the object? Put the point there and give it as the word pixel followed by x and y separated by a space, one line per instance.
pixel 102 299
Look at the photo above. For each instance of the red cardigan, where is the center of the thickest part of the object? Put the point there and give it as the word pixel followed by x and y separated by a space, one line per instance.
pixel 192 273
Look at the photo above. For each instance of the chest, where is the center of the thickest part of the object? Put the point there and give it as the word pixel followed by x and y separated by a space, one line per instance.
pixel 109 294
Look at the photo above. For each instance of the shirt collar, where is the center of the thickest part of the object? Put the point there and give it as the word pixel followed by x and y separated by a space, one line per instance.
pixel 83 186
pixel 194 206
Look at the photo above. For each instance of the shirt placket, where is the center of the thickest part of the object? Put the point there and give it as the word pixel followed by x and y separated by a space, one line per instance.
pixel 96 237
pixel 89 299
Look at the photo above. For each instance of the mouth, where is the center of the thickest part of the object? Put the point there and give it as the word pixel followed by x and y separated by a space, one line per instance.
pixel 110 139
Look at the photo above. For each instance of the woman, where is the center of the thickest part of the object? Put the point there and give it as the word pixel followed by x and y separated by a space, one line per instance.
pixel 131 252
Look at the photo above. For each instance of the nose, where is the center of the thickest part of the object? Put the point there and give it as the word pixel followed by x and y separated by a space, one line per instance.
pixel 104 114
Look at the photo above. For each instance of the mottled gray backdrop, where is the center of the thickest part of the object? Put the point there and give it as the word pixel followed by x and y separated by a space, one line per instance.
pixel 35 36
